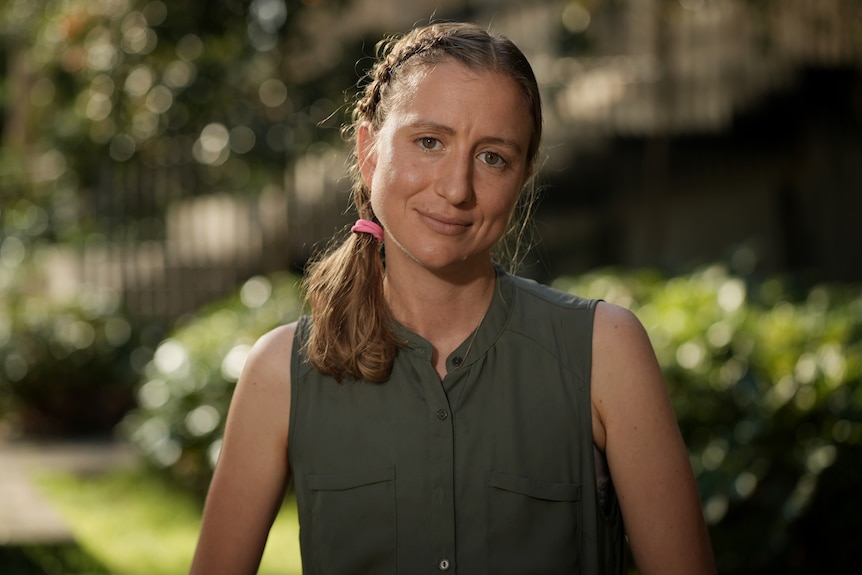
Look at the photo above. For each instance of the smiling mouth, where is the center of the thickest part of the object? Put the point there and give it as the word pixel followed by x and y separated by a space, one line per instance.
pixel 444 226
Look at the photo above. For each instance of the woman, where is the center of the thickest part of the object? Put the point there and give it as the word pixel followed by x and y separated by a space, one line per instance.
pixel 436 413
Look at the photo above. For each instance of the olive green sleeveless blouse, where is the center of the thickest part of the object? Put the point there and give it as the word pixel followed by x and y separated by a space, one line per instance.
pixel 491 471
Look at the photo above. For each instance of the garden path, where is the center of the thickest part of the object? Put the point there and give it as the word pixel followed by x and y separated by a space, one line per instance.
pixel 26 515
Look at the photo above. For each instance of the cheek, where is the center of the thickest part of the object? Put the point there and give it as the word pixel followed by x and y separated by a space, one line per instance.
pixel 394 186
pixel 377 206
pixel 501 205
pixel 385 197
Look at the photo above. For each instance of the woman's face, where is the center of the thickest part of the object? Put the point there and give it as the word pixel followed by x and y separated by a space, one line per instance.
pixel 447 165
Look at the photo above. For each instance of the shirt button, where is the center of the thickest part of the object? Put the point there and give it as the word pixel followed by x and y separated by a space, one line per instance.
pixel 457 360
pixel 442 414
pixel 444 565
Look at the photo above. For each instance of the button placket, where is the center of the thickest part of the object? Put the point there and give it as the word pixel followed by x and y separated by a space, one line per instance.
pixel 442 520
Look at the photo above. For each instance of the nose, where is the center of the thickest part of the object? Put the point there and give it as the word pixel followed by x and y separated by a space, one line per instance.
pixel 455 179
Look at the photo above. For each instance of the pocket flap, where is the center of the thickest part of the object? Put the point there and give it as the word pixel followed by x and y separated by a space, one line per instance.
pixel 533 488
pixel 351 480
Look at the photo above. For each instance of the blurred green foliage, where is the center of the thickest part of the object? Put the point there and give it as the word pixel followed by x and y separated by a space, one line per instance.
pixel 66 364
pixel 229 91
pixel 764 378
pixel 96 95
pixel 765 381
pixel 187 386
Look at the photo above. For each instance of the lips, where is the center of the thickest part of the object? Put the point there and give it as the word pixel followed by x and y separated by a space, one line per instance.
pixel 445 225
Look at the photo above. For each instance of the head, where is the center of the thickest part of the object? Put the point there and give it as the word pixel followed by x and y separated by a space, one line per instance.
pixel 352 332
pixel 400 58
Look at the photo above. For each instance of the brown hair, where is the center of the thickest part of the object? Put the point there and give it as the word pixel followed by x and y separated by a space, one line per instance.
pixel 352 328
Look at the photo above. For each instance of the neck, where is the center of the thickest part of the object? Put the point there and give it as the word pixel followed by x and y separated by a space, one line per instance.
pixel 440 308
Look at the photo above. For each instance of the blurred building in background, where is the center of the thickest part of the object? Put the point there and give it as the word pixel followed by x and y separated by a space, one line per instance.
pixel 695 131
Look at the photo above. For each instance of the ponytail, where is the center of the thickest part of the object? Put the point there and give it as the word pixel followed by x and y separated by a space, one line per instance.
pixel 352 329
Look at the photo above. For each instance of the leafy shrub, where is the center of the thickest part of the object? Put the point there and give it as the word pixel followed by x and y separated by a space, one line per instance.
pixel 184 397
pixel 65 365
pixel 766 388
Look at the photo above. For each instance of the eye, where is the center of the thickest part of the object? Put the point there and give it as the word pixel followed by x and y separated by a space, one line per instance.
pixel 492 159
pixel 429 143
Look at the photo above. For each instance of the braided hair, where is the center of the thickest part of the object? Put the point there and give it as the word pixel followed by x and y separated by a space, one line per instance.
pixel 352 328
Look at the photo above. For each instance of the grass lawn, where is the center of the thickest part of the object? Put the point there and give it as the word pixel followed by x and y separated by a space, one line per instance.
pixel 135 523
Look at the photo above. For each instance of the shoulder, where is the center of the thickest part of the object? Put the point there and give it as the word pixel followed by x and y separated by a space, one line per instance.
pixel 265 378
pixel 634 424
pixel 556 320
pixel 621 348
pixel 273 350
pixel 252 469
pixel 625 374
pixel 276 344
pixel 535 295
pixel 616 329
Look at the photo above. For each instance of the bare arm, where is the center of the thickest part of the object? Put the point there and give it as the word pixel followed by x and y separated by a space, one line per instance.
pixel 634 424
pixel 252 471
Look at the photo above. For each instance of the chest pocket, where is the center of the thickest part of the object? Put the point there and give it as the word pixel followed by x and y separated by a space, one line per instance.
pixel 532 526
pixel 352 522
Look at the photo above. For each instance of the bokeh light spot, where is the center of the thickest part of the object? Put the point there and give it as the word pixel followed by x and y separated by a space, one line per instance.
pixel 255 292
pixel 272 92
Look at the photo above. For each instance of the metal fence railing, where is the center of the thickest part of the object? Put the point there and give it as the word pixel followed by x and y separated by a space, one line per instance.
pixel 166 252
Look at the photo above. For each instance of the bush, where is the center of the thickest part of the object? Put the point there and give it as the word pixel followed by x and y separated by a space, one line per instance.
pixel 65 365
pixel 766 388
pixel 184 397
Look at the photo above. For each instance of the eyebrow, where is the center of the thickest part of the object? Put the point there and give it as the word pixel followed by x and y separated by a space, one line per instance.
pixel 505 142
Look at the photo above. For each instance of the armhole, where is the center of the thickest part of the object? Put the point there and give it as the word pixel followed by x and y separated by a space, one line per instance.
pixel 296 363
pixel 604 486
pixel 588 364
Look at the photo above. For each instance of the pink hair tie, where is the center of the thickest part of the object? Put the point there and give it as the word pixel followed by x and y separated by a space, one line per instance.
pixel 368 227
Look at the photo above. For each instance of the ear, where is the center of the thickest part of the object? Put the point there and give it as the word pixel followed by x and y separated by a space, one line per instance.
pixel 365 153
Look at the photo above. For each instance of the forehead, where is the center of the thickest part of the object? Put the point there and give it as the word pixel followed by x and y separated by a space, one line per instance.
pixel 450 92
